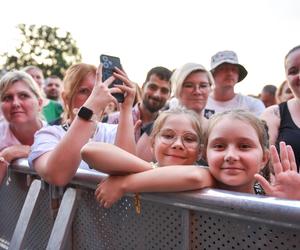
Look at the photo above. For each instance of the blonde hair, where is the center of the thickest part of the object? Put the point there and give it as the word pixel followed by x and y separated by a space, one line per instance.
pixel 74 76
pixel 183 72
pixel 10 78
pixel 259 125
pixel 161 119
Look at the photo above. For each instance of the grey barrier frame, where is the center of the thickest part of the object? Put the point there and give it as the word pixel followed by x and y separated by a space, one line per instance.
pixel 32 223
pixel 262 222
pixel 250 210
pixel 26 215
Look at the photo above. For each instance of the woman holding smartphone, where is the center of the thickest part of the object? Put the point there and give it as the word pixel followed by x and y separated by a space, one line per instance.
pixel 55 154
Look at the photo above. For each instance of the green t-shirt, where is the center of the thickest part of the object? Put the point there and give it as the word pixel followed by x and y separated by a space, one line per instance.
pixel 52 111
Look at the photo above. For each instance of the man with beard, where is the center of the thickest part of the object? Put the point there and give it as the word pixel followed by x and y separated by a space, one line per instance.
pixel 227 72
pixel 155 92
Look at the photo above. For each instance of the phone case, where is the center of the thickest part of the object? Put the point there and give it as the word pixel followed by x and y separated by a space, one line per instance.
pixel 109 64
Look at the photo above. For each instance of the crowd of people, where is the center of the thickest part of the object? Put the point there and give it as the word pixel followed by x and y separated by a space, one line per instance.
pixel 185 129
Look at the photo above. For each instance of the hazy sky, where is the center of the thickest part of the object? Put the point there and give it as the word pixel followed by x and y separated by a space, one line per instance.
pixel 149 33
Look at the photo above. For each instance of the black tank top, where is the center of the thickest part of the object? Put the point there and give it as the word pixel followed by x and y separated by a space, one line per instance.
pixel 288 131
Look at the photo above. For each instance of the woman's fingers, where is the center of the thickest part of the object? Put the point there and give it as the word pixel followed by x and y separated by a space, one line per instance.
pixel 109 81
pixel 124 79
pixel 275 160
pixel 125 89
pixel 99 73
pixel 121 72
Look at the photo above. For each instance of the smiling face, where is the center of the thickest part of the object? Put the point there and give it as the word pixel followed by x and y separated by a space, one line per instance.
pixel 155 93
pixel 292 69
pixel 177 143
pixel 19 104
pixel 195 91
pixel 234 154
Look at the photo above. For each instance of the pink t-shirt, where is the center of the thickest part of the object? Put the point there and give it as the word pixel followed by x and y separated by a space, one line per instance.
pixel 7 137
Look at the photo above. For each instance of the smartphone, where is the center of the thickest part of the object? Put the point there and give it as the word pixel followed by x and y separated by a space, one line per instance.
pixel 109 64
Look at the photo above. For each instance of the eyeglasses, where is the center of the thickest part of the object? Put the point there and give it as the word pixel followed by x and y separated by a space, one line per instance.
pixel 194 86
pixel 189 140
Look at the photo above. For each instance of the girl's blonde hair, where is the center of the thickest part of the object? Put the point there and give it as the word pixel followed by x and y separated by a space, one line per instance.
pixel 259 125
pixel 10 78
pixel 74 76
pixel 193 117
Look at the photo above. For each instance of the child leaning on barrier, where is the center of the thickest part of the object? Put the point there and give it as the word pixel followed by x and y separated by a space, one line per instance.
pixel 176 139
pixel 236 148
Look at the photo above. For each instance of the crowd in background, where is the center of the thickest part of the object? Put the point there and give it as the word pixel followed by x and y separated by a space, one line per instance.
pixel 184 129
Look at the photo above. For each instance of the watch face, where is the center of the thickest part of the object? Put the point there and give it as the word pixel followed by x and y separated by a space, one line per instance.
pixel 85 113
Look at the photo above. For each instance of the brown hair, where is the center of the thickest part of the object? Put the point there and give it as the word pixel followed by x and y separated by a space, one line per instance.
pixel 290 52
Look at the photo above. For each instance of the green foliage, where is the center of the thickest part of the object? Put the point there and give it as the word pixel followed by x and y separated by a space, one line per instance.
pixel 49 48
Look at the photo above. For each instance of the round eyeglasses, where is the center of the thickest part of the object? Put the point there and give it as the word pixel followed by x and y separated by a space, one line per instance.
pixel 188 140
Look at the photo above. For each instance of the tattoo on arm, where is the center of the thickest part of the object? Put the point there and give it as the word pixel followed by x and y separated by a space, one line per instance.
pixel 276 111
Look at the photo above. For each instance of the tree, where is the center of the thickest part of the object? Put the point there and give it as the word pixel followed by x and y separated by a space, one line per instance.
pixel 49 48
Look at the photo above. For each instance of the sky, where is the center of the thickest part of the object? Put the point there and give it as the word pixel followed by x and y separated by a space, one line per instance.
pixel 149 33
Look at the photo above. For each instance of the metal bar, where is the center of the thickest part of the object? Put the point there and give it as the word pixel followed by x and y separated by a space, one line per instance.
pixel 26 215
pixel 260 208
pixel 185 217
pixel 63 223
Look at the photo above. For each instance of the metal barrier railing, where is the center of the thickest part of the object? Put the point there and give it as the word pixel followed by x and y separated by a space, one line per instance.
pixel 207 219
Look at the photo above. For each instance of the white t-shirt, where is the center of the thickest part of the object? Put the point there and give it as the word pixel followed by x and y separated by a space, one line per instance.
pixel 7 137
pixel 238 102
pixel 47 138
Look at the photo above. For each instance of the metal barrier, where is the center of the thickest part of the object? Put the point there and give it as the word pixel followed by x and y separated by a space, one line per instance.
pixel 208 219
pixel 12 197
pixel 26 214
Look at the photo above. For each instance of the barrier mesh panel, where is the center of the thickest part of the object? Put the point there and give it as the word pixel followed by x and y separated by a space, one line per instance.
pixel 40 226
pixel 12 198
pixel 157 227
pixel 210 231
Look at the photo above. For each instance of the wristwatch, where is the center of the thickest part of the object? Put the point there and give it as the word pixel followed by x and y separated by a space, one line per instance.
pixel 86 114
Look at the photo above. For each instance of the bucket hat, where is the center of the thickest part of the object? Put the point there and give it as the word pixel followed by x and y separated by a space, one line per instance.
pixel 230 57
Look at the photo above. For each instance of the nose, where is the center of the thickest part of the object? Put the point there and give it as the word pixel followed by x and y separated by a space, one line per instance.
pixel 156 93
pixel 16 102
pixel 231 155
pixel 197 89
pixel 178 143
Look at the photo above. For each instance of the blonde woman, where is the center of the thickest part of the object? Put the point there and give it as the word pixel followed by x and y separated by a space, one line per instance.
pixel 21 103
